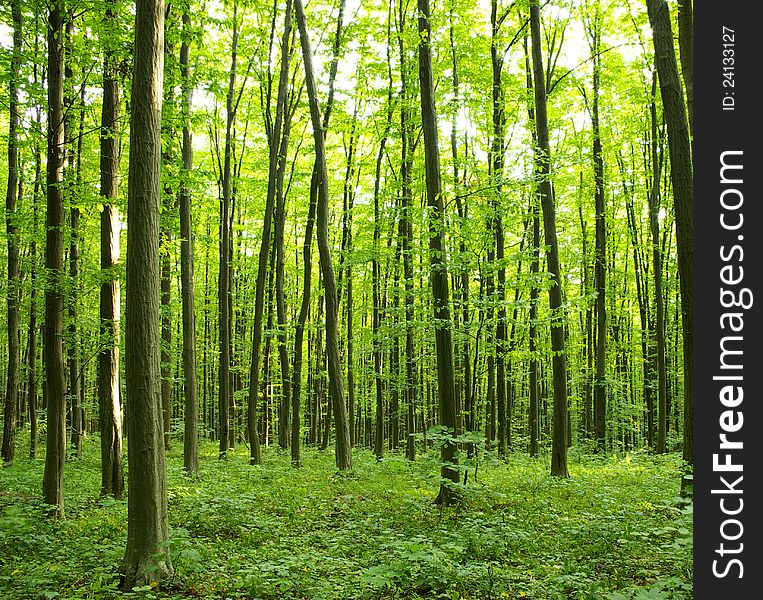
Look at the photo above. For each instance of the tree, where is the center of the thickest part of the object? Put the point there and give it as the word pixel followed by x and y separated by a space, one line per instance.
pixel 147 556
pixel 55 455
pixel 600 253
pixel 109 401
pixel 336 385
pixel 546 193
pixel 262 265
pixel 223 278
pixel 683 195
pixel 11 195
pixel 438 268
pixel 190 434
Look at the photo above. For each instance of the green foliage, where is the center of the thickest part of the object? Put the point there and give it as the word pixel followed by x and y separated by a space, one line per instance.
pixel 615 530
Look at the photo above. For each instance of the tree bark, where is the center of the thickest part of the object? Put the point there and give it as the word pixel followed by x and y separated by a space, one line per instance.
pixel 307 248
pixel 438 268
pixel 223 279
pixel 109 401
pixel 683 195
pixel 147 556
pixel 190 388
pixel 600 254
pixel 262 265
pixel 336 386
pixel 55 455
pixel 686 48
pixel 497 229
pixel 546 193
pixel 12 383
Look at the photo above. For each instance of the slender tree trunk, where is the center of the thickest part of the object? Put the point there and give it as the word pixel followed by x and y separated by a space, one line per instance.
pixel 533 333
pixel 12 383
pixel 32 370
pixel 262 265
pixel 166 319
pixel 304 310
pixel 497 229
pixel 190 435
pixel 469 403
pixel 223 278
pixel 659 303
pixel 109 401
pixel 546 193
pixel 336 385
pixel 600 254
pixel 376 294
pixel 147 557
pixel 55 455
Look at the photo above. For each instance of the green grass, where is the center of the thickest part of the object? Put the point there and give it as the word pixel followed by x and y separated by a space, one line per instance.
pixel 614 530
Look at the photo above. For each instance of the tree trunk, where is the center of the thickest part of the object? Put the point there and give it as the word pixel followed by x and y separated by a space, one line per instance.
pixel 262 265
pixel 296 385
pixel 109 401
pixel 190 435
pixel 32 371
pixel 659 303
pixel 686 48
pixel 223 278
pixel 55 455
pixel 147 556
pixel 438 268
pixel 12 383
pixel 600 254
pixel 683 195
pixel 336 386
pixel 546 193
pixel 497 229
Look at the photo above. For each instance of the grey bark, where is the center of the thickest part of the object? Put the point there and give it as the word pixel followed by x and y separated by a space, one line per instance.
pixel 147 556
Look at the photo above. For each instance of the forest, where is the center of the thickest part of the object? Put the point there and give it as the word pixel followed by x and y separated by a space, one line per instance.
pixel 346 299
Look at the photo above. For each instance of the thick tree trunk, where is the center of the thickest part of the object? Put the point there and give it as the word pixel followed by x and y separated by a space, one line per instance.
pixel 438 268
pixel 546 193
pixel 147 556
pixel 12 383
pixel 190 435
pixel 336 385
pixel 55 455
pixel 683 195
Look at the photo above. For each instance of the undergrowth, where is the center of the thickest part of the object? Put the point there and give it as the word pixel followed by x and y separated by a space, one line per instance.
pixel 615 530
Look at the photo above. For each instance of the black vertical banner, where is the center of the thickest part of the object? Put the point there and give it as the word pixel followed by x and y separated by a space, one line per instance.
pixel 728 424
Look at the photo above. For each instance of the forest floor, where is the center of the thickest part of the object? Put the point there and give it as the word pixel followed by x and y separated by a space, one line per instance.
pixel 615 530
